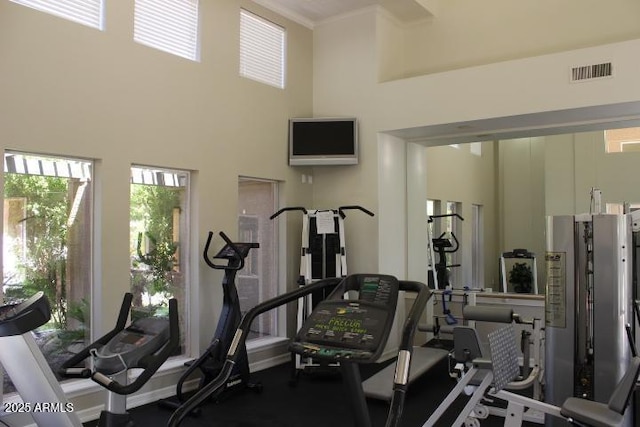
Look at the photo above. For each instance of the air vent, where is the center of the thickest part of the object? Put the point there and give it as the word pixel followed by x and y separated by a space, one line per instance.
pixel 590 72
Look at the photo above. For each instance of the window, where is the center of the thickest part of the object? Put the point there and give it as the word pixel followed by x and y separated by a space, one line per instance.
pixel 477 259
pixel 86 12
pixel 622 140
pixel 159 242
pixel 262 50
pixel 168 25
pixel 258 280
pixel 46 246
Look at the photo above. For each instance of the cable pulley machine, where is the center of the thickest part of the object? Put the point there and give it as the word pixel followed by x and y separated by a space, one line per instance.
pixel 323 255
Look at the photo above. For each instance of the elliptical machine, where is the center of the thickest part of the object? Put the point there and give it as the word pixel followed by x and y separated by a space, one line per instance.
pixel 145 344
pixel 351 331
pixel 443 246
pixel 211 361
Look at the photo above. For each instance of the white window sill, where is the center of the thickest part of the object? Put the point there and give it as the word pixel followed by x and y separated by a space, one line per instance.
pixel 261 343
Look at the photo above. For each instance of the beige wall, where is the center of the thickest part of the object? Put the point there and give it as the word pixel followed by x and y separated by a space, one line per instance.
pixel 466 33
pixel 457 175
pixel 346 83
pixel 574 163
pixel 521 195
pixel 71 90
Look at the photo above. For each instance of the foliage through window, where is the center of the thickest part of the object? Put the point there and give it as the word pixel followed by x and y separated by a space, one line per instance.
pixel 46 246
pixel 168 25
pixel 158 242
pixel 86 12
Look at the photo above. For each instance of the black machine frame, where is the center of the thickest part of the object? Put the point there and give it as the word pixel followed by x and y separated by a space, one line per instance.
pixel 351 370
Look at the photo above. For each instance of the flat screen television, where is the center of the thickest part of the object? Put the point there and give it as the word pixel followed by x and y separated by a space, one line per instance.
pixel 323 141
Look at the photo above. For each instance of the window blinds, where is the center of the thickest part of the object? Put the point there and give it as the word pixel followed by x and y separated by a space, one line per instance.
pixel 262 50
pixel 168 25
pixel 86 12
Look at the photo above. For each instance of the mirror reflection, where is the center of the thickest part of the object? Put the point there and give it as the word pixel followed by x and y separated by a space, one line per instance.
pixel 505 189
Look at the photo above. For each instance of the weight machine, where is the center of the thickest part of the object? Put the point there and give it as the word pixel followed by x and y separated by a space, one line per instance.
pixel 588 303
pixel 489 377
pixel 323 255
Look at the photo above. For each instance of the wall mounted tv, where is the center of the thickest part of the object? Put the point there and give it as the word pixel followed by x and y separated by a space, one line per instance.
pixel 323 141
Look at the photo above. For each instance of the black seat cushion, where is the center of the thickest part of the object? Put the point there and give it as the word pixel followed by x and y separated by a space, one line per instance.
pixel 595 414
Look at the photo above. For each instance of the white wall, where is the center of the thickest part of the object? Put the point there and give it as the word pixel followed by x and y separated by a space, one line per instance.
pixel 467 33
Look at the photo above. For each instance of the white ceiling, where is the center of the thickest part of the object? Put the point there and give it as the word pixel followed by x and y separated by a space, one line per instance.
pixel 312 12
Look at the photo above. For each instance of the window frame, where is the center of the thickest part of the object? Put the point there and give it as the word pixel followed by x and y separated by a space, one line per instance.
pixel 83 170
pixel 186 265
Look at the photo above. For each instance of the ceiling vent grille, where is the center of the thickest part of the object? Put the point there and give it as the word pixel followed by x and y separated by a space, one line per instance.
pixel 590 72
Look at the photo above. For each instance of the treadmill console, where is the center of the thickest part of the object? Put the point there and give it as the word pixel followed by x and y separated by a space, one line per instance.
pixel 351 329
pixel 20 318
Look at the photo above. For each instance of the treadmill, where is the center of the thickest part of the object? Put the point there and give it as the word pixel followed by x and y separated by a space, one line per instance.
pixel 42 396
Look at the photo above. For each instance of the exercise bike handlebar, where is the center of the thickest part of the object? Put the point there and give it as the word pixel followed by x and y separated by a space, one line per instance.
pixel 454 248
pixel 210 263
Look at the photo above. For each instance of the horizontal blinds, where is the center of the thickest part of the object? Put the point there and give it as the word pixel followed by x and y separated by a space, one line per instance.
pixel 86 12
pixel 168 25
pixel 262 50
pixel 45 166
pixel 163 178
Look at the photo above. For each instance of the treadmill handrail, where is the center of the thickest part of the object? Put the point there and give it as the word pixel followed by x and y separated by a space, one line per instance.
pixel 400 381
